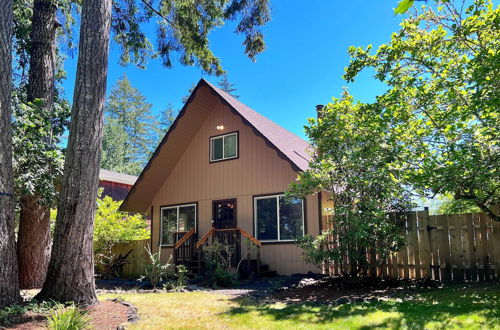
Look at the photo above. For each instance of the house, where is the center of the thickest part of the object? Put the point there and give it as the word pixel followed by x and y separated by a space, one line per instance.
pixel 115 185
pixel 223 167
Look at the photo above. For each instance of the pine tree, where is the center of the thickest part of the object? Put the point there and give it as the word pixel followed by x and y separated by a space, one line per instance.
pixel 227 86
pixel 130 130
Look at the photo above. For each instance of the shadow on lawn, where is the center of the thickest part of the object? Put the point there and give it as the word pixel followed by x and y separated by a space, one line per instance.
pixel 444 306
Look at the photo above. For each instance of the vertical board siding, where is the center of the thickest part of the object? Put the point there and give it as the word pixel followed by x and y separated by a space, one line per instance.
pixel 258 170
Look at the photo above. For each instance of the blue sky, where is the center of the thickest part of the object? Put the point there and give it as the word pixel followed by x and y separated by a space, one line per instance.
pixel 306 53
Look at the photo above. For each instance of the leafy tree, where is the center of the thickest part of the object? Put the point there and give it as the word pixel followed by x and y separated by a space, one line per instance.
pixel 113 227
pixel 353 153
pixel 129 129
pixel 227 86
pixel 442 72
pixel 449 205
pixel 9 285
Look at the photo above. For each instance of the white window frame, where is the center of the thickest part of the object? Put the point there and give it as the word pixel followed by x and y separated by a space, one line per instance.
pixel 177 222
pixel 223 149
pixel 277 197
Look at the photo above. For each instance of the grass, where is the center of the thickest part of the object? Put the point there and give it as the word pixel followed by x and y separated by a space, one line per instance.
pixel 456 307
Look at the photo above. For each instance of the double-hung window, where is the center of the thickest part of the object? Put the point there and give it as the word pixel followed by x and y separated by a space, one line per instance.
pixel 224 147
pixel 176 218
pixel 278 218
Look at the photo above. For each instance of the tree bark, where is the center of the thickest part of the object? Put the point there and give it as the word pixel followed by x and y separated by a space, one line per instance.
pixel 33 244
pixel 70 276
pixel 9 285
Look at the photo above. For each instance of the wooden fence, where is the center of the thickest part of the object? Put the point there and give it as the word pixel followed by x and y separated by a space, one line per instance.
pixel 137 259
pixel 444 247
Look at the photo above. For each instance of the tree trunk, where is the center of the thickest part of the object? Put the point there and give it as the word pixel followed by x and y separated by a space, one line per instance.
pixel 9 285
pixel 70 276
pixel 33 243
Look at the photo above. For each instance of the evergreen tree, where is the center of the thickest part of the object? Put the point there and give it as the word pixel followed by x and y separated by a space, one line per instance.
pixel 130 129
pixel 185 98
pixel 227 86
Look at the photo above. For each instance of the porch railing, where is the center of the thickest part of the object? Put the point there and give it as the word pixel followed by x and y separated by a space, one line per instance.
pixel 233 237
pixel 184 246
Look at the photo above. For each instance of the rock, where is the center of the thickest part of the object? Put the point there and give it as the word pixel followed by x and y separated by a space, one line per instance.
pixel 342 301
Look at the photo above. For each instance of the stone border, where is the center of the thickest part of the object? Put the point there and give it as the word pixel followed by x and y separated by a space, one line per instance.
pixel 132 313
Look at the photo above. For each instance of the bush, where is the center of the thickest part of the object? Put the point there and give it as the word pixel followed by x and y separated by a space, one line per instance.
pixel 68 318
pixel 7 313
pixel 156 271
pixel 113 227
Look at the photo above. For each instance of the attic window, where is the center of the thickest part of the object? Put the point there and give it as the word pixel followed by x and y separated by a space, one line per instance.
pixel 223 147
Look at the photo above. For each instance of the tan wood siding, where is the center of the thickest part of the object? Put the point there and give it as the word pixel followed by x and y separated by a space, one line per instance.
pixel 258 170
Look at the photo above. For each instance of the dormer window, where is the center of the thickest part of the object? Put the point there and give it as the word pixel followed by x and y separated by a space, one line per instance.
pixel 223 147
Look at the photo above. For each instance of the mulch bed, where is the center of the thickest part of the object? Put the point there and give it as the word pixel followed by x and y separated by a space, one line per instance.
pixel 342 291
pixel 105 315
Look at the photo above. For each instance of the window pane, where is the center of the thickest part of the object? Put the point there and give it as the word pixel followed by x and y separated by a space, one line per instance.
pixel 187 217
pixel 217 149
pixel 267 221
pixel 230 143
pixel 290 218
pixel 169 225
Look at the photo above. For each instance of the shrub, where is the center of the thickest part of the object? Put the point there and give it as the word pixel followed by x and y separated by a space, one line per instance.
pixel 7 313
pixel 156 271
pixel 113 227
pixel 68 318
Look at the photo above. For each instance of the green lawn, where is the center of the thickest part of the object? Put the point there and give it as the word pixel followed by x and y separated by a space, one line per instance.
pixel 475 307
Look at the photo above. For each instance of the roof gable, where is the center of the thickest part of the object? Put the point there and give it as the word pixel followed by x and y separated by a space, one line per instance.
pixel 288 145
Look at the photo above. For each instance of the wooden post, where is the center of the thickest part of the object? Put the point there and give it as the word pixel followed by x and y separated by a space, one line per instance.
pixel 200 249
pixel 258 260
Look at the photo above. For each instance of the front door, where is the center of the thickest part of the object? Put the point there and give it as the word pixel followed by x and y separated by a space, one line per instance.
pixel 224 213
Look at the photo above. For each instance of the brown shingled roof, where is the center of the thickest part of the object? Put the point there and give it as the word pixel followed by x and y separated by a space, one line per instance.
pixel 288 145
pixel 292 146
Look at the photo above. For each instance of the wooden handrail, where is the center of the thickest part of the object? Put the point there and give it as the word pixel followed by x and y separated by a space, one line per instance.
pixel 213 230
pixel 184 238
pixel 250 237
pixel 204 238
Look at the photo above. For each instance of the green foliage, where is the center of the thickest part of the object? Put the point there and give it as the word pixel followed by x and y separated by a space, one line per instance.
pixel 449 205
pixel 353 161
pixel 181 275
pixel 130 130
pixel 7 313
pixel 156 271
pixel 37 155
pixel 403 6
pixel 68 318
pixel 113 227
pixel 183 27
pixel 227 86
pixel 442 100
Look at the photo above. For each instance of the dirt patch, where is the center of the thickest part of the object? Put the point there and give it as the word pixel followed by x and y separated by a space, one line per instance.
pixel 108 314
pixel 105 315
pixel 341 290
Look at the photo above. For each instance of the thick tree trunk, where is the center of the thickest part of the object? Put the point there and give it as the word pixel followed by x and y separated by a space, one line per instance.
pixel 33 244
pixel 70 276
pixel 9 285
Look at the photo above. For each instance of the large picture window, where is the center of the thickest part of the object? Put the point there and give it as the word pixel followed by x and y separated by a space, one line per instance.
pixel 176 218
pixel 278 218
pixel 224 147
